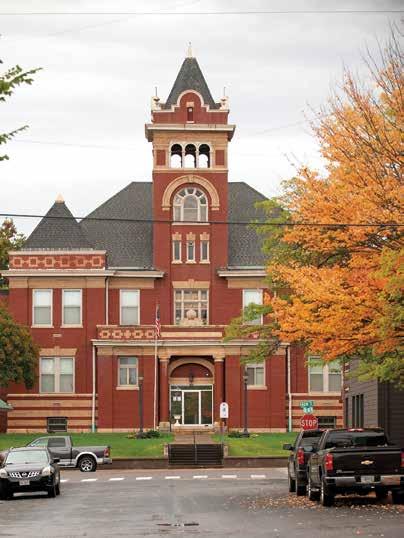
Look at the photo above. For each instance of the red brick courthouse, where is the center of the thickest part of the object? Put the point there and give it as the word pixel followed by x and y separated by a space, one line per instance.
pixel 89 290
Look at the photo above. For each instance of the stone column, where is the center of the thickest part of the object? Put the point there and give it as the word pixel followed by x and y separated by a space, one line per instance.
pixel 164 393
pixel 218 387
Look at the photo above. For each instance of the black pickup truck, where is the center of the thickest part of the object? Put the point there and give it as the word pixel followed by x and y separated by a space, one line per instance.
pixel 355 461
pixel 85 458
pixel 300 452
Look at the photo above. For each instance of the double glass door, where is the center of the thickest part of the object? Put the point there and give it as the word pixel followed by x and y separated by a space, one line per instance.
pixel 191 405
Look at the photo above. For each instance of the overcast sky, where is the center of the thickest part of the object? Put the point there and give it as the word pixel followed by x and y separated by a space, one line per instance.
pixel 87 109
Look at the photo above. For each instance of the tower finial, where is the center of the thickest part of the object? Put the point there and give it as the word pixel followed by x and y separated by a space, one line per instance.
pixel 189 54
pixel 59 199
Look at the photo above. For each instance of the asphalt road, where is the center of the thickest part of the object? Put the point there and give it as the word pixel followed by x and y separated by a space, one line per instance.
pixel 206 503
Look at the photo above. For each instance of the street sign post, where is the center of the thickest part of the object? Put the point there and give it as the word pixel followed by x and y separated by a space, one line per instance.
pixel 308 422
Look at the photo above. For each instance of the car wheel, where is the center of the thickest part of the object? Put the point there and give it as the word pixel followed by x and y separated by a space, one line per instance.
pixel 312 495
pixel 397 497
pixel 381 494
pixel 291 484
pixel 87 464
pixel 52 491
pixel 326 498
pixel 300 488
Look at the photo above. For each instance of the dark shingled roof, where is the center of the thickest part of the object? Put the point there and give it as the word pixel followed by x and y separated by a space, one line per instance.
pixel 244 243
pixel 128 244
pixel 190 77
pixel 63 232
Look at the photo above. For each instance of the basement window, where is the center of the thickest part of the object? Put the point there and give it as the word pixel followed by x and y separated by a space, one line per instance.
pixel 56 424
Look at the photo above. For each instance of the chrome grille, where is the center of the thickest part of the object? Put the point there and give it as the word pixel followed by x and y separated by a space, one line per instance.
pixel 24 474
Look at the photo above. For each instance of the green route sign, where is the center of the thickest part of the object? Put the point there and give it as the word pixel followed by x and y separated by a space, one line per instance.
pixel 307 406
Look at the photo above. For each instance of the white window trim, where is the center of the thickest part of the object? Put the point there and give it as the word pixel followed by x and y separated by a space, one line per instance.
pixel 326 380
pixel 261 292
pixel 256 386
pixel 174 260
pixel 127 387
pixel 57 375
pixel 191 260
pixel 120 306
pixel 41 325
pixel 201 259
pixel 68 325
pixel 182 302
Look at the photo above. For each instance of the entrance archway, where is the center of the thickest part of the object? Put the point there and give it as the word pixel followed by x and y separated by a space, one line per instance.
pixel 191 392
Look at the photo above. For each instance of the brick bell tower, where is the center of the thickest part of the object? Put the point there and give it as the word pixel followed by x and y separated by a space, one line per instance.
pixel 190 135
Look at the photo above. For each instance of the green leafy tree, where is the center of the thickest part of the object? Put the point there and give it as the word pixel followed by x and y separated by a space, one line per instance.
pixel 10 239
pixel 9 81
pixel 19 355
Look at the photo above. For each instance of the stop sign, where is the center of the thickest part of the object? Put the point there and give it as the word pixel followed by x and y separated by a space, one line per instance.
pixel 308 422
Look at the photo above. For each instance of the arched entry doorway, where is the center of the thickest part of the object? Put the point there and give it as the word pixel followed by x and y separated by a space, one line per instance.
pixel 191 392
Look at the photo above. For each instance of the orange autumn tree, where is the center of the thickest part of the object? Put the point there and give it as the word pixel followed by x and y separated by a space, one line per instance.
pixel 340 253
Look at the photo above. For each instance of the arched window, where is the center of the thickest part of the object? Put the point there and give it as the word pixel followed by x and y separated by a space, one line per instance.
pixel 176 156
pixel 190 156
pixel 204 156
pixel 190 205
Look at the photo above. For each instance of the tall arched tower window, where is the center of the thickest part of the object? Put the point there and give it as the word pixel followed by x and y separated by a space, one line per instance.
pixel 190 205
pixel 190 156
pixel 176 156
pixel 204 156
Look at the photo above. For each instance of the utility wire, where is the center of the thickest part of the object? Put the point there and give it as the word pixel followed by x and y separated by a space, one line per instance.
pixel 203 13
pixel 230 223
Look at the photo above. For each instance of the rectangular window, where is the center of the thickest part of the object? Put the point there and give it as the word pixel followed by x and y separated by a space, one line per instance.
pixel 255 374
pixel 190 251
pixel 127 371
pixel 177 251
pixel 72 307
pixel 253 296
pixel 325 423
pixel 42 307
pixel 204 251
pixel 346 413
pixel 129 307
pixel 191 307
pixel 57 374
pixel 324 377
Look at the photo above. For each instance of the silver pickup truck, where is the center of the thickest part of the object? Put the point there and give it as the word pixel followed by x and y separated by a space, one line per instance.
pixel 85 458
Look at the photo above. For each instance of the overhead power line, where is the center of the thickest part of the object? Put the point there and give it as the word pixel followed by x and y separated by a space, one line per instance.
pixel 228 222
pixel 210 13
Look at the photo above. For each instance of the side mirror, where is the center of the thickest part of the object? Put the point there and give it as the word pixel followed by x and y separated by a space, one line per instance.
pixel 56 460
pixel 287 446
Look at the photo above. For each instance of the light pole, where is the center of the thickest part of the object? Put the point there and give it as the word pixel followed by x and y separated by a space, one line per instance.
pixel 140 434
pixel 245 431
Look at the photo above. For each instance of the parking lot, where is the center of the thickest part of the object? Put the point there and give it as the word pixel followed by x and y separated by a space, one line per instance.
pixel 211 503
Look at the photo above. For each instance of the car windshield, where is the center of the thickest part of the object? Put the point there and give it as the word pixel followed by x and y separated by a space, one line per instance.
pixel 346 439
pixel 311 440
pixel 27 456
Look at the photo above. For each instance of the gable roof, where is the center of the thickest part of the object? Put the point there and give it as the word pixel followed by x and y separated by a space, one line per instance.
pixel 58 230
pixel 128 244
pixel 190 77
pixel 245 246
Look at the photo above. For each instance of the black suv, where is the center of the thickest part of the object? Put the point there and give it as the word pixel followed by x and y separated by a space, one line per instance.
pixel 29 469
pixel 305 444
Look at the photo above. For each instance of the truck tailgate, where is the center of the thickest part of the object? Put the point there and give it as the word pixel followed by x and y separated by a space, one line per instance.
pixel 367 461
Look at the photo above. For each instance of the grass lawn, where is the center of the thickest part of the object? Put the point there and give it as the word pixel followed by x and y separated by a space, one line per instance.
pixel 121 446
pixel 258 444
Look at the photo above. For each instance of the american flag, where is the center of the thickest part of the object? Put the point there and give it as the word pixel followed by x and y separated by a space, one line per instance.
pixel 158 323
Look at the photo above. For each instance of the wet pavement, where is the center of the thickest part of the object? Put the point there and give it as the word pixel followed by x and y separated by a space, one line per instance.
pixel 208 503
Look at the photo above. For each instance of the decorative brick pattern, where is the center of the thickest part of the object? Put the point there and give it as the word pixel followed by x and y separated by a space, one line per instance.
pixel 57 261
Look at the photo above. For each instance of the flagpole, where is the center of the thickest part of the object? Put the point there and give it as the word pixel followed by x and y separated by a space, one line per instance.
pixel 156 333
